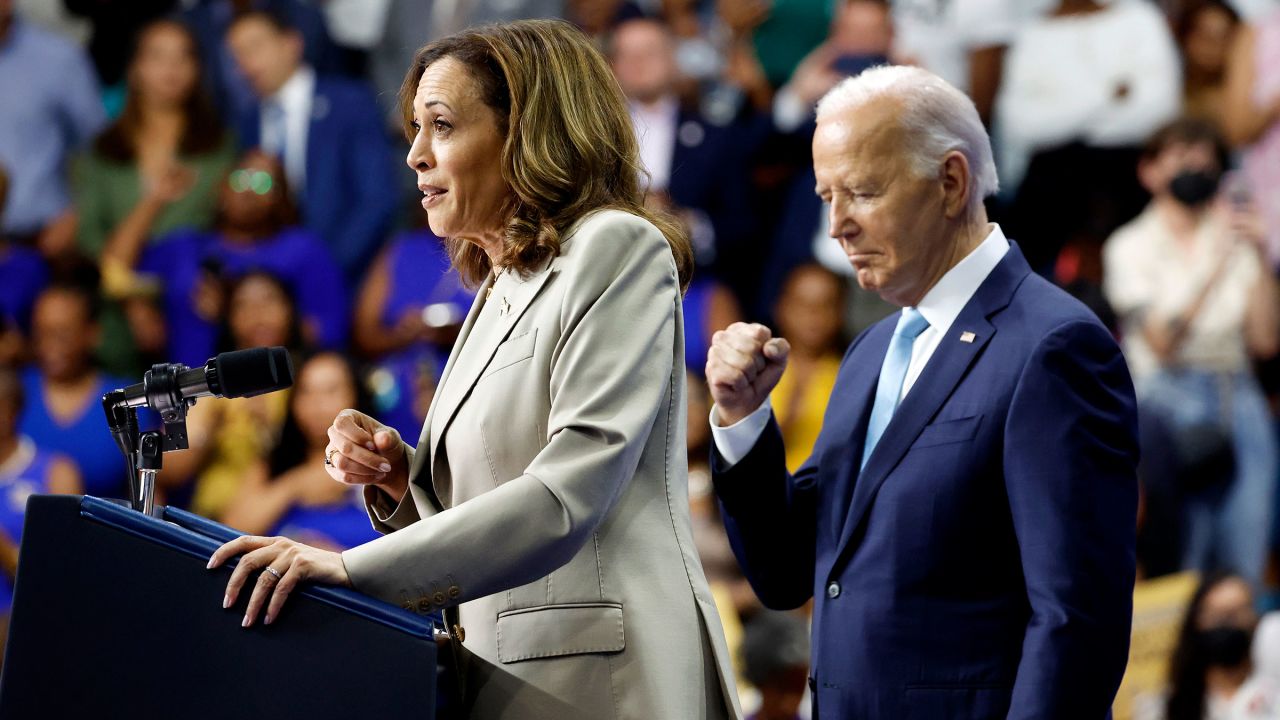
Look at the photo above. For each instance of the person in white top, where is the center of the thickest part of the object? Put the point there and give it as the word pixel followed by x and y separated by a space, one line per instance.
pixel 1196 305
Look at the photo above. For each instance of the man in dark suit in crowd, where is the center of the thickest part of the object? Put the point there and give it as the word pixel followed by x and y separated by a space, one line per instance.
pixel 966 521
pixel 328 133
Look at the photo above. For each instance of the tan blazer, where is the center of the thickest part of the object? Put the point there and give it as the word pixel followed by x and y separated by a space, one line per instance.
pixel 548 496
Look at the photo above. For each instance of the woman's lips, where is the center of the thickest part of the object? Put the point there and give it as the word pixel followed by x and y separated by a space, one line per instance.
pixel 432 196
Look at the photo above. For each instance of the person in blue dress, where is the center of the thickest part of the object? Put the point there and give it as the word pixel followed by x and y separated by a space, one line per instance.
pixel 290 493
pixel 25 275
pixel 63 389
pixel 255 230
pixel 25 469
pixel 407 316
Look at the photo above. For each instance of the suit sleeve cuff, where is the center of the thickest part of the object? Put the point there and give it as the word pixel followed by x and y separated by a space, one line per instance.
pixel 735 441
pixel 386 514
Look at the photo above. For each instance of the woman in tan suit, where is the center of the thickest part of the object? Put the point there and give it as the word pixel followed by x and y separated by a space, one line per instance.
pixel 545 507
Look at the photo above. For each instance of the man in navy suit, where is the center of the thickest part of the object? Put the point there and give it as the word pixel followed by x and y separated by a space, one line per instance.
pixel 966 521
pixel 328 133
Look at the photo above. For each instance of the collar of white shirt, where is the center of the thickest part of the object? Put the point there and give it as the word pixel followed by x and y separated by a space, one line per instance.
pixel 944 301
pixel 297 90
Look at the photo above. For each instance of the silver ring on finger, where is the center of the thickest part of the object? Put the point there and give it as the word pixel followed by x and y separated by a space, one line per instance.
pixel 273 571
pixel 328 457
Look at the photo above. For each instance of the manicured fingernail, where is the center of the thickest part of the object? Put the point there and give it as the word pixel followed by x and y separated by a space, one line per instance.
pixel 371 446
pixel 210 565
pixel 245 622
pixel 267 620
pixel 385 467
pixel 226 601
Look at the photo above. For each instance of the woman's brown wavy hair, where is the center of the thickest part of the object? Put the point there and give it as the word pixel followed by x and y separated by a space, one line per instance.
pixel 569 145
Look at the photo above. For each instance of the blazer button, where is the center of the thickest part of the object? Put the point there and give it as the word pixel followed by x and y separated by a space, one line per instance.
pixel 439 598
pixel 833 590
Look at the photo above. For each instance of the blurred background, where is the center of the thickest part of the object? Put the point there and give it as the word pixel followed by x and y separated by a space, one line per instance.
pixel 179 179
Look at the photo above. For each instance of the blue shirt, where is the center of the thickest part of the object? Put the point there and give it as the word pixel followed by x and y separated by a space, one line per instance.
pixel 85 440
pixel 16 485
pixel 51 107
pixel 342 525
pixel 23 275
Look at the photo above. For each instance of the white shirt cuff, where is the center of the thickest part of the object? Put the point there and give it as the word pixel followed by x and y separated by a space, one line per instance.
pixel 736 440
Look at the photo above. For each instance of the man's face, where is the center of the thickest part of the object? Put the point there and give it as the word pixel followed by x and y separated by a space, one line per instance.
pixel 643 60
pixel 888 220
pixel 266 56
pixel 1157 172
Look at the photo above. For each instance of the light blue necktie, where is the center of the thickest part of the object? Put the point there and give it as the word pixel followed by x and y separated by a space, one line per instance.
pixel 892 374
pixel 275 139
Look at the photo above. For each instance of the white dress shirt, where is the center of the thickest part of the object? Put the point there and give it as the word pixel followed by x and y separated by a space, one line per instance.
pixel 656 131
pixel 940 306
pixel 295 98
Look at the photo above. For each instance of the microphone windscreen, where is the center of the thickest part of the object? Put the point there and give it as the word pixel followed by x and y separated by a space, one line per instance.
pixel 245 373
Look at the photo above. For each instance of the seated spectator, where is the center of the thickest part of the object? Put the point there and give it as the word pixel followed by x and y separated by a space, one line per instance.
pixel 62 412
pixel 25 275
pixel 775 659
pixel 1211 660
pixel 51 109
pixel 407 317
pixel 695 169
pixel 227 437
pixel 113 26
pixel 1196 304
pixel 155 169
pixel 1251 117
pixel 254 230
pixel 810 316
pixel 326 131
pixel 289 493
pixel 25 470
pixel 1072 115
pixel 1205 32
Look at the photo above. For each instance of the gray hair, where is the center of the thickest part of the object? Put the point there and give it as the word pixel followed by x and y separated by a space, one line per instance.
pixel 936 116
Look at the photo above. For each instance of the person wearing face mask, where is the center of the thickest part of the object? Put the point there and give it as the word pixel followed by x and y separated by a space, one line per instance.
pixel 1196 303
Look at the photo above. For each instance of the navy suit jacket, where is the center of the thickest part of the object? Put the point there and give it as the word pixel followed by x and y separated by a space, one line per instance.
pixel 708 174
pixel 350 194
pixel 982 564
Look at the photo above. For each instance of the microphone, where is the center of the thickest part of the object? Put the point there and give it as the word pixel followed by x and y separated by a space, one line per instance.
pixel 242 373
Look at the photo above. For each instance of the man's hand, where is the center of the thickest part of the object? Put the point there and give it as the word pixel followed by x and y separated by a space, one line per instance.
pixel 743 365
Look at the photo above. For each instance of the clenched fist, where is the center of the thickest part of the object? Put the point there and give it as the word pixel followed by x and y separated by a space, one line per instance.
pixel 744 363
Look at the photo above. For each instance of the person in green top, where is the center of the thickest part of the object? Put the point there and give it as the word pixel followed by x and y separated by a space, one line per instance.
pixel 154 170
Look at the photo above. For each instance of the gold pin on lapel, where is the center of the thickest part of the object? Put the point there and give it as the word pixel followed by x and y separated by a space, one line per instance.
pixel 967 337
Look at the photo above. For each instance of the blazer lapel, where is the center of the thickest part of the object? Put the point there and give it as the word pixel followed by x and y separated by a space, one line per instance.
pixel 944 371
pixel 511 297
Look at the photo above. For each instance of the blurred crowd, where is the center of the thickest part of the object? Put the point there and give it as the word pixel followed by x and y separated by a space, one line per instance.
pixel 179 179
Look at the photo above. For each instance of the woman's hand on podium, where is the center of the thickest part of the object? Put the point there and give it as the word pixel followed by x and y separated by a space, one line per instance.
pixel 363 451
pixel 281 564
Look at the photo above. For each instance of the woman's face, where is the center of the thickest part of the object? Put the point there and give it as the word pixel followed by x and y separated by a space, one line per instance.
pixel 165 68
pixel 457 155
pixel 259 313
pixel 809 312
pixel 1228 604
pixel 251 192
pixel 63 335
pixel 324 389
pixel 1205 46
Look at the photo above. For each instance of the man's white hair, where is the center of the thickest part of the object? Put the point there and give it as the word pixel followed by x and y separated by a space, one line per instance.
pixel 936 117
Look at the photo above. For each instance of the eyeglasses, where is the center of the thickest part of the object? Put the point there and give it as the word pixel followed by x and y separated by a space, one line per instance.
pixel 259 182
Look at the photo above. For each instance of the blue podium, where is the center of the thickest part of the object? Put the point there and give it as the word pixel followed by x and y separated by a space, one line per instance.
pixel 115 616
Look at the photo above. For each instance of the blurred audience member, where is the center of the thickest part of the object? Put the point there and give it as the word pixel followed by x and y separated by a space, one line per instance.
pixel 1259 697
pixel 406 319
pixel 1205 32
pixel 62 411
pixel 255 230
pixel 861 37
pixel 1211 660
pixel 598 18
pixel 51 108
pixel 775 659
pixel 155 169
pixel 962 41
pixel 210 20
pixel 1251 117
pixel 25 275
pixel 781 32
pixel 1072 111
pixel 289 493
pixel 228 437
pixel 1196 302
pixel 810 315
pixel 695 169
pixel 326 131
pixel 115 23
pixel 25 470
pixel 709 306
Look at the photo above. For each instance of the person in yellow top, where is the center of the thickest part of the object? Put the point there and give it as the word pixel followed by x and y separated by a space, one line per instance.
pixel 809 313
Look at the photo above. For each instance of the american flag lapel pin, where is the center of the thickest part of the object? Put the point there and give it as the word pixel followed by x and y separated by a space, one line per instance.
pixel 967 337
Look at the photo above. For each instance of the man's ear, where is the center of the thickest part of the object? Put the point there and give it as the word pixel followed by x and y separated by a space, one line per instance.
pixel 957 184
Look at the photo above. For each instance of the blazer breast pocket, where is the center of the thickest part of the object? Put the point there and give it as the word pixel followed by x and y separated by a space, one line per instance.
pixel 947 432
pixel 511 351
